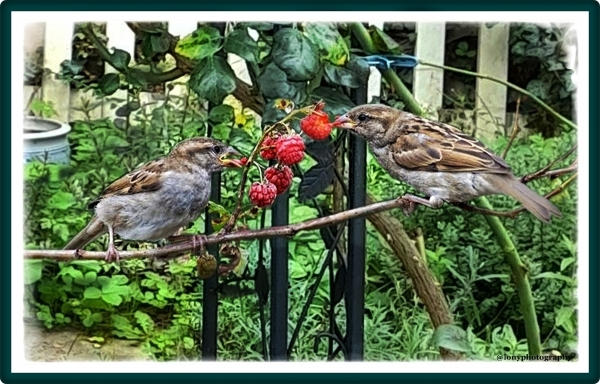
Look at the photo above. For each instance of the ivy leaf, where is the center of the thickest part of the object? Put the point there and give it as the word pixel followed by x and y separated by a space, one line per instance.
pixel 204 42
pixel 352 75
pixel 120 59
pixel 321 150
pixel 160 43
pixel 326 37
pixel 33 270
pixel 539 88
pixel 451 337
pixel 315 180
pixel 240 43
pixel 295 55
pixel 213 79
pixel 109 83
pixel 221 114
pixel 383 42
pixel 72 67
pixel 274 84
pixel 337 103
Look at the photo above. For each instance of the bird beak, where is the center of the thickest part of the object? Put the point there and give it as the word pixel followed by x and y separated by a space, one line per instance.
pixel 231 163
pixel 344 122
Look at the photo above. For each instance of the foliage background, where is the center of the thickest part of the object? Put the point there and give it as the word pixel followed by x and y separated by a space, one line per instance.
pixel 158 303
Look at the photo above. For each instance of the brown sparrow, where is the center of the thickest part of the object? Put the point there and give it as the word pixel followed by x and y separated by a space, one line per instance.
pixel 438 159
pixel 154 201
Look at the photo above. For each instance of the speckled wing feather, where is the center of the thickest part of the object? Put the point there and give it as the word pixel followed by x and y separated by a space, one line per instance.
pixel 431 146
pixel 144 179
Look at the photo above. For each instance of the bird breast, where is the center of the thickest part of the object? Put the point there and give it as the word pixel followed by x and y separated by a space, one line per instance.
pixel 155 215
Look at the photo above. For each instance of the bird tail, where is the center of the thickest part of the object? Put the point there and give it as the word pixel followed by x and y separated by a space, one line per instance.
pixel 539 206
pixel 91 232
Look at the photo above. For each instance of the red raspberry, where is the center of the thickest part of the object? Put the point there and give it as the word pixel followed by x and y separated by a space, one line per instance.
pixel 280 176
pixel 244 160
pixel 290 149
pixel 262 194
pixel 316 125
pixel 268 148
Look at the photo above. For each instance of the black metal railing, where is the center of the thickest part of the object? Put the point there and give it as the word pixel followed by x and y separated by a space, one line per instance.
pixel 347 282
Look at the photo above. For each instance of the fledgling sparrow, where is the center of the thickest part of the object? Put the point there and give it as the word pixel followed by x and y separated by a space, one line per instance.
pixel 438 159
pixel 154 201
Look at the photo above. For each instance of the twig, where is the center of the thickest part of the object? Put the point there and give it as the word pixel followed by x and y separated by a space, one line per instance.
pixel 507 84
pixel 542 172
pixel 173 250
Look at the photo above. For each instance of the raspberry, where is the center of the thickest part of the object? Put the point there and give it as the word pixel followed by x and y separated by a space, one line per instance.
pixel 268 148
pixel 244 160
pixel 316 125
pixel 290 149
pixel 262 194
pixel 281 177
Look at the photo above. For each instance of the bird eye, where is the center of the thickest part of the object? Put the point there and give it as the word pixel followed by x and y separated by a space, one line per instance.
pixel 363 117
pixel 216 149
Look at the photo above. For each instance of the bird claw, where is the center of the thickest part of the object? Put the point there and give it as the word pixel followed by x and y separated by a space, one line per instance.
pixel 111 254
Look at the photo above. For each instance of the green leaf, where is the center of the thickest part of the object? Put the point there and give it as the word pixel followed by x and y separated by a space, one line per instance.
pixel 87 279
pixel 352 75
pixel 61 200
pixel 160 43
pixel 213 79
pixel 221 114
pixel 144 321
pixel 240 43
pixel 221 132
pixel 92 293
pixel 119 279
pixel 295 55
pixel 274 84
pixel 109 83
pixel 113 142
pixel 383 42
pixel 564 318
pixel 71 66
pixel 112 299
pixel 564 264
pixel 202 43
pixel 188 343
pixel 33 270
pixel 120 59
pixel 326 37
pixel 451 337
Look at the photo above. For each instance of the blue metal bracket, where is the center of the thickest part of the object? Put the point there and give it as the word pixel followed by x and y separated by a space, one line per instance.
pixel 391 61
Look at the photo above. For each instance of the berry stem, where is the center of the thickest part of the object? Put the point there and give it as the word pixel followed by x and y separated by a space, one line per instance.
pixel 270 128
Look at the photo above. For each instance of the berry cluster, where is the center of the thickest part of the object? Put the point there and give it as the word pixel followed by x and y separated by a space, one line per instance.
pixel 287 149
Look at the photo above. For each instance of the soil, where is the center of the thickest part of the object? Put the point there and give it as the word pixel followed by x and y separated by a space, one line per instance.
pixel 74 345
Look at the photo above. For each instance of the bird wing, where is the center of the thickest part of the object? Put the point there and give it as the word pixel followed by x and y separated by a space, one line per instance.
pixel 144 179
pixel 433 146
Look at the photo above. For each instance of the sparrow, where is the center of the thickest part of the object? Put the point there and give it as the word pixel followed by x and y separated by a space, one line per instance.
pixel 155 200
pixel 438 159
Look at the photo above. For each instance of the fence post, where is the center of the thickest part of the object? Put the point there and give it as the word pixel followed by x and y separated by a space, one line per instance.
pixel 119 36
pixel 355 279
pixel 428 84
pixel 57 47
pixel 492 59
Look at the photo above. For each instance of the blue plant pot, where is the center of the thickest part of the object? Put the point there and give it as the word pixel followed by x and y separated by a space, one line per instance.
pixel 46 140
